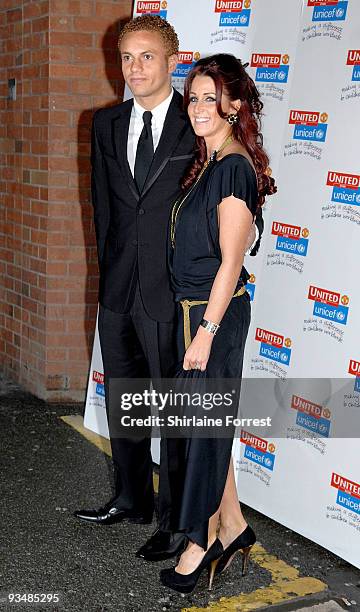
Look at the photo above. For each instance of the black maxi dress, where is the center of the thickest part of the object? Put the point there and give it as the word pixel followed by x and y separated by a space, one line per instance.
pixel 196 467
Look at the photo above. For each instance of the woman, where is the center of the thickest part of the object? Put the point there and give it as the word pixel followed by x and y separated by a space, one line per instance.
pixel 223 189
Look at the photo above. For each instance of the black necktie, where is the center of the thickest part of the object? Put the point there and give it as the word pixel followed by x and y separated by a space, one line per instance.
pixel 144 152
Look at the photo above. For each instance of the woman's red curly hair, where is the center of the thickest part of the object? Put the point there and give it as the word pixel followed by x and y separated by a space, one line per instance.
pixel 230 78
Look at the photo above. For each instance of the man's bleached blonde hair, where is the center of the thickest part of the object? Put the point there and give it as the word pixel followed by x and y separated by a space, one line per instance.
pixel 153 23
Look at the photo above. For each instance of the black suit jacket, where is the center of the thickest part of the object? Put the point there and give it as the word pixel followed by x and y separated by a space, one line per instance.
pixel 132 229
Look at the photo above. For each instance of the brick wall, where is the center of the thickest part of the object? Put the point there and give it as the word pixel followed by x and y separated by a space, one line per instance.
pixel 64 58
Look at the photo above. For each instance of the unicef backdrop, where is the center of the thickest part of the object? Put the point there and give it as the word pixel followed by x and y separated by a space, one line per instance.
pixel 304 341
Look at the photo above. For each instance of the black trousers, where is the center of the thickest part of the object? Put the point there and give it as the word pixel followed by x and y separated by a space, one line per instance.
pixel 134 346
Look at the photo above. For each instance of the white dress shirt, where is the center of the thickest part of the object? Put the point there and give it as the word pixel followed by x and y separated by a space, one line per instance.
pixel 136 125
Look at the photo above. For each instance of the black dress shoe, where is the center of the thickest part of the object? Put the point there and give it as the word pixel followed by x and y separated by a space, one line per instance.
pixel 186 583
pixel 110 514
pixel 243 544
pixel 161 546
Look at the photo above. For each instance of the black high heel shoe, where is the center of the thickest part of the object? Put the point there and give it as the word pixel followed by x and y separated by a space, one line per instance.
pixel 186 583
pixel 243 544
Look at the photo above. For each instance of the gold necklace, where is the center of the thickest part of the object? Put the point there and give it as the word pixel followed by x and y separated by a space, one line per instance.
pixel 179 202
pixel 226 142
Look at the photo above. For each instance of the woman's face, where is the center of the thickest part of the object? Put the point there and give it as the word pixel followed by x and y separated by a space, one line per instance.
pixel 202 111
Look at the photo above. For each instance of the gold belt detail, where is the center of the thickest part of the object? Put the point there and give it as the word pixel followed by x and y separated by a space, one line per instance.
pixel 187 304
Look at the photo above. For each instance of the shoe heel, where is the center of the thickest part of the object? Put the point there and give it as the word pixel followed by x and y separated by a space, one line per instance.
pixel 245 559
pixel 212 570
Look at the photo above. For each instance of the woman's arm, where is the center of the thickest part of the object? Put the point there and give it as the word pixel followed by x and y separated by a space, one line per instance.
pixel 235 221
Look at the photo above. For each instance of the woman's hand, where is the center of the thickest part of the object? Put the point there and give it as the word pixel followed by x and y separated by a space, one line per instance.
pixel 198 353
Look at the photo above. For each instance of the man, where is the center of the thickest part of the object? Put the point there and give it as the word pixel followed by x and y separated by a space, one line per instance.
pixel 140 150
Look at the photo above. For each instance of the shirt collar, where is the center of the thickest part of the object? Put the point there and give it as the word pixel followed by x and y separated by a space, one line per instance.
pixel 159 112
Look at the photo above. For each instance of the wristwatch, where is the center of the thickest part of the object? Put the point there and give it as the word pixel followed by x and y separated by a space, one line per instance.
pixel 210 326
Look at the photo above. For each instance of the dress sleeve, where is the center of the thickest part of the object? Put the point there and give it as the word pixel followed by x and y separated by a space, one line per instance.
pixel 233 175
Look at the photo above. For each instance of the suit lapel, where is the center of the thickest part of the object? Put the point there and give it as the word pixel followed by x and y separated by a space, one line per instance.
pixel 120 130
pixel 175 124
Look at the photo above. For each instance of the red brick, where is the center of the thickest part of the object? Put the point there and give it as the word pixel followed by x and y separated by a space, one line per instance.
pixel 40 56
pixel 56 268
pixel 40 117
pixel 55 354
pixel 56 297
pixel 31 9
pixel 40 25
pixel 83 7
pixel 73 39
pixel 39 148
pixel 71 71
pixel 66 164
pixel 63 134
pixel 86 55
pixel 61 195
pixel 58 147
pixel 59 179
pixel 61 54
pixel 91 24
pixel 39 86
pixel 56 325
pixel 62 86
pixel 58 239
pixel 13 15
pixel 113 11
pixel 61 23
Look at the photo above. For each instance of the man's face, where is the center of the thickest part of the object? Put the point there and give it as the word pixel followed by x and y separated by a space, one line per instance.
pixel 146 67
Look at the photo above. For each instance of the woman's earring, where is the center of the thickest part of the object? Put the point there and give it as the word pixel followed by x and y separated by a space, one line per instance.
pixel 232 118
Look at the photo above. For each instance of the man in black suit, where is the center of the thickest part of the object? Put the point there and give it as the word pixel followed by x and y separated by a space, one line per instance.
pixel 140 150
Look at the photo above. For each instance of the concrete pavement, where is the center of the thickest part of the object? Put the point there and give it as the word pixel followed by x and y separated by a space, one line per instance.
pixel 48 469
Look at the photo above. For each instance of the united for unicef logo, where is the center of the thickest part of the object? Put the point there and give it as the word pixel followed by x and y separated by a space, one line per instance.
pixel 291 238
pixel 329 304
pixel 274 346
pixel 346 187
pixel 233 13
pixel 309 125
pixel 258 450
pixel 271 67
